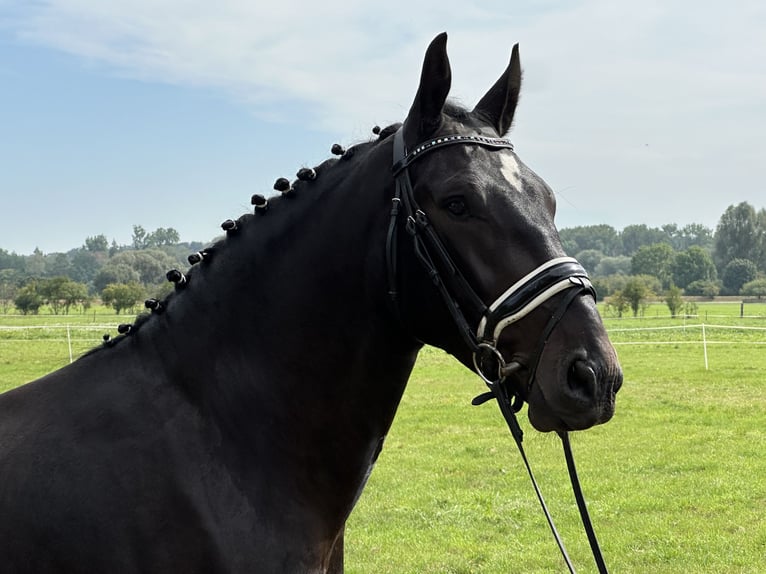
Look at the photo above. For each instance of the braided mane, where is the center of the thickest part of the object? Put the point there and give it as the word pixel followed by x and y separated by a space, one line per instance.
pixel 328 173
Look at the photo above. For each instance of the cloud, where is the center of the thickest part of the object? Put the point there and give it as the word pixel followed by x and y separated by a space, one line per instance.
pixel 620 97
pixel 337 57
pixel 342 59
pixel 347 58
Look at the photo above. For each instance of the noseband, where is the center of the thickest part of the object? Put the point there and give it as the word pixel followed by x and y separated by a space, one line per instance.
pixel 558 275
pixel 523 297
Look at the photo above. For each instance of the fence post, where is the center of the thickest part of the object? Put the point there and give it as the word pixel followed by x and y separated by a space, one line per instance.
pixel 69 342
pixel 704 345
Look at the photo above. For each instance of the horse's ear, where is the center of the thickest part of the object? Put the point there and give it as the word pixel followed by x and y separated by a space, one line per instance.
pixel 425 115
pixel 499 103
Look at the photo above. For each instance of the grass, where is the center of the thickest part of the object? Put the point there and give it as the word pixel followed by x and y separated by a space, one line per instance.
pixel 33 345
pixel 675 483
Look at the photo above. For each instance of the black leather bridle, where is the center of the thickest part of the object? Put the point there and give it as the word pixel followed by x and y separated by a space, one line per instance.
pixel 541 284
pixel 560 275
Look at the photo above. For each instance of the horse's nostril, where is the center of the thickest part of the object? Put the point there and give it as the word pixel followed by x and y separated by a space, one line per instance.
pixel 582 379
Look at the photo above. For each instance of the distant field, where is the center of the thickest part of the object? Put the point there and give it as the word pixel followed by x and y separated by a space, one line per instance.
pixel 33 345
pixel 675 483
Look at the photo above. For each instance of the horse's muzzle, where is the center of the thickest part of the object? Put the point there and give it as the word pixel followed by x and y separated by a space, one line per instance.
pixel 583 395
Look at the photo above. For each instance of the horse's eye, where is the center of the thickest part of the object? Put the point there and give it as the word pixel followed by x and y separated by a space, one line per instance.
pixel 456 206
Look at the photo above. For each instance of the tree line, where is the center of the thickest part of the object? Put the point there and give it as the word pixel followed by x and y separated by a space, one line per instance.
pixel 630 266
pixel 121 276
pixel 627 267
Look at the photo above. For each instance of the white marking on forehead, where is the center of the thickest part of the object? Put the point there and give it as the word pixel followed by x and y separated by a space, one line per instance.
pixel 509 167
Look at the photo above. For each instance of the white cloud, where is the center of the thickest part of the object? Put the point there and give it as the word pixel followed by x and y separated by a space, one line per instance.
pixel 644 92
pixel 349 55
pixel 342 58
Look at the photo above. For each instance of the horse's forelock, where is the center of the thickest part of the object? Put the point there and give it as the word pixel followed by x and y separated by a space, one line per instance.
pixel 456 111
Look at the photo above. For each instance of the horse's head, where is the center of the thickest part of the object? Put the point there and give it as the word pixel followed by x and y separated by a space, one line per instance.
pixel 484 221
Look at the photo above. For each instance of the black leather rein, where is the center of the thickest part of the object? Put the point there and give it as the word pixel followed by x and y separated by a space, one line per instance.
pixel 560 275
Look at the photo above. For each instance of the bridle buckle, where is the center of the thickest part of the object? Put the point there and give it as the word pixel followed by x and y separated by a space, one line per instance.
pixel 410 226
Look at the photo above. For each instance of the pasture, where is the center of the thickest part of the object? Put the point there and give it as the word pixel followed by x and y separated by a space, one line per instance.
pixel 675 483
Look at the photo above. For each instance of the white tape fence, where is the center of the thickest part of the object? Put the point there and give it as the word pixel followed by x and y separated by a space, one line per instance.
pixel 689 334
pixel 79 338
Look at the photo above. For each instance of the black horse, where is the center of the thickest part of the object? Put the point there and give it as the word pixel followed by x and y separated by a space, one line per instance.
pixel 233 428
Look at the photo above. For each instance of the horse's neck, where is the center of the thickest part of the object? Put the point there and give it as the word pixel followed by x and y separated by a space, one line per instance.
pixel 291 346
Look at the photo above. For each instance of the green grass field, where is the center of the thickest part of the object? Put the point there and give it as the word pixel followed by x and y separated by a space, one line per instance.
pixel 33 345
pixel 675 483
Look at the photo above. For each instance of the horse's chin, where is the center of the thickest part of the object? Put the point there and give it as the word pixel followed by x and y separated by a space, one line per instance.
pixel 545 418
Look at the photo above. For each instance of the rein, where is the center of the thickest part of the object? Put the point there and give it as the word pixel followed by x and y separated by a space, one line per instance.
pixel 558 275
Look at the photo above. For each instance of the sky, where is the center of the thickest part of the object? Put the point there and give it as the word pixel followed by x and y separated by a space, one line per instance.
pixel 172 113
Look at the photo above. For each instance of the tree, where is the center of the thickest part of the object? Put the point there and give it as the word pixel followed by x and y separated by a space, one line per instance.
pixel 11 260
pixel 150 264
pixel 34 265
pixel 157 238
pixel 634 237
pixel 114 273
pixel 28 300
pixel 693 234
pixel 73 293
pixel 139 237
pixel 609 284
pixel 85 265
pixel 760 261
pixel 739 235
pixel 656 260
pixel 589 258
pixel 9 287
pixel 121 296
pixel 703 288
pixel 736 273
pixel 618 265
pixel 96 244
pixel 670 230
pixel 755 288
pixel 693 264
pixel 179 252
pixel 161 237
pixel 617 304
pixel 673 299
pixel 637 290
pixel 603 238
pixel 57 265
pixel 49 289
pixel 61 293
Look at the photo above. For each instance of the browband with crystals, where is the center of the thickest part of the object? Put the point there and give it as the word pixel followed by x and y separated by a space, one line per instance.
pixel 445 141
